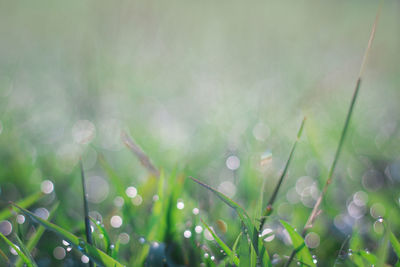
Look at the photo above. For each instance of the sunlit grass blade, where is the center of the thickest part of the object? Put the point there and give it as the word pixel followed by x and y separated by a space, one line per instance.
pixel 24 258
pixel 244 217
pixel 88 230
pixel 143 158
pixel 89 250
pixel 25 203
pixel 106 237
pixel 32 242
pixel 268 209
pixel 303 254
pixel 221 243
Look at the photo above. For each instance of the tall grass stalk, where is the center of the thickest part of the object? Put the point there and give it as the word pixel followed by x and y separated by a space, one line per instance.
pixel 86 211
pixel 316 209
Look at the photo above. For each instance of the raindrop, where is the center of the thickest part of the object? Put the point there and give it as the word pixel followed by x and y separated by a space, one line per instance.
pixel 187 234
pixel 267 234
pixel 81 245
pixel 124 238
pixel 156 198
pixel 116 221
pixel 59 253
pixel 85 259
pixel 137 200
pixel 232 163
pixel 47 186
pixel 69 249
pixel 380 219
pixel 112 246
pixel 20 219
pixel 227 188
pixel 5 227
pixel 198 229
pixel 180 205
pixel 13 251
pixel 208 235
pixel 131 192
pixel 206 255
pixel 350 252
pixel 65 243
pixel 195 211
pixel 315 260
pixel 118 201
pixel 42 213
pixel 212 258
pixel 312 240
pixel 142 240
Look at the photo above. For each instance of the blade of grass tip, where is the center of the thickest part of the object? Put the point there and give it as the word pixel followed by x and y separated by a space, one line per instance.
pixel 244 217
pixel 316 209
pixel 268 209
pixel 89 250
pixel 221 243
pixel 32 242
pixel 25 203
pixel 19 252
pixel 86 210
pixel 136 150
pixel 25 250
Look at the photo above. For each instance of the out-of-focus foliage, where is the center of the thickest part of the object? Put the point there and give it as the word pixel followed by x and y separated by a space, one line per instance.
pixel 213 90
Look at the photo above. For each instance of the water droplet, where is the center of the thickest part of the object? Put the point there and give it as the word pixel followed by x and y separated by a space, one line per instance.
pixel 380 219
pixel 180 205
pixel 212 258
pixel 314 259
pixel 206 255
pixel 85 259
pixel 187 234
pixel 232 162
pixel 366 251
pixel 65 243
pixel 116 221
pixel 196 211
pixel 81 245
pixel 198 229
pixel 47 186
pixel 131 191
pixel 142 240
pixel 69 249
pixel 112 246
pixel 59 253
pixel 5 227
pixel 20 219
pixel 350 252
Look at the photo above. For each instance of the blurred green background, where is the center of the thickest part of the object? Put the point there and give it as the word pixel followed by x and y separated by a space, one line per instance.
pixel 208 89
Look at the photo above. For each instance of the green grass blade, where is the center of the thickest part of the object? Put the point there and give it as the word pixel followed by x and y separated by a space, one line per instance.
pixel 91 251
pixel 88 229
pixel 106 237
pixel 25 250
pixel 221 243
pixel 32 242
pixel 28 262
pixel 25 203
pixel 299 245
pixel 244 217
pixel 395 244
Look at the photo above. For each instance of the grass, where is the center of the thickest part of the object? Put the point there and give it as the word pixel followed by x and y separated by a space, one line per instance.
pixel 132 212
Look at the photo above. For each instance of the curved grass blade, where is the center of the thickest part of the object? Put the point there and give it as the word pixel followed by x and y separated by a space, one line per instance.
pixel 106 237
pixel 221 243
pixel 5 257
pixel 139 153
pixel 244 217
pixel 32 242
pixel 303 254
pixel 28 262
pixel 89 250
pixel 88 230
pixel 25 250
pixel 25 203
